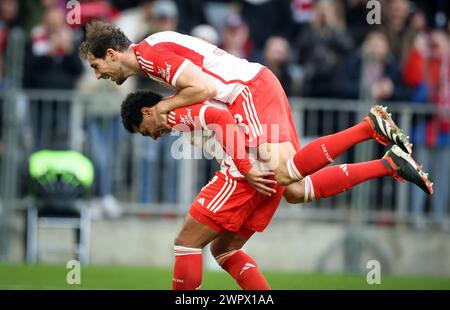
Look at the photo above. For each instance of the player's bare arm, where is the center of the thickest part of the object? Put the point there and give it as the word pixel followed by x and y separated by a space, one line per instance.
pixel 139 115
pixel 194 86
pixel 222 117
pixel 219 119
pixel 202 71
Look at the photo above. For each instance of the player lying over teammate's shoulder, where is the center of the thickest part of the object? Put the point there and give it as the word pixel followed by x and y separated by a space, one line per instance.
pixel 139 116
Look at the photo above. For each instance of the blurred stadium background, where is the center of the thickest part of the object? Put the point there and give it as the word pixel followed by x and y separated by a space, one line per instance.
pixel 120 216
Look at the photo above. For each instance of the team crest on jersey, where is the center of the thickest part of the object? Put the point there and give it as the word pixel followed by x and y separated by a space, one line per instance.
pixel 165 73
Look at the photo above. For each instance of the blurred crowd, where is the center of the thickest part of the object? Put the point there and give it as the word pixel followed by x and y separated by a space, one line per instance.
pixel 309 44
pixel 317 48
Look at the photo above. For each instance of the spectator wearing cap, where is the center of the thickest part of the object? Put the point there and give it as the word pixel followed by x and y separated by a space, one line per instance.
pixel 165 14
pixel 236 38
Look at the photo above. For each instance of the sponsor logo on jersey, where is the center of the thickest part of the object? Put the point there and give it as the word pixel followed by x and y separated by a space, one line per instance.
pixel 201 201
pixel 165 73
pixel 187 119
pixel 327 155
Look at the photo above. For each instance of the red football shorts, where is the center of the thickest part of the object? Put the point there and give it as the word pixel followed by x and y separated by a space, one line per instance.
pixel 264 110
pixel 232 204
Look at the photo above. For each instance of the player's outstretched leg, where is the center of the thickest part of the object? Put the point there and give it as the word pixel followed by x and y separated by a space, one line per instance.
pixel 378 125
pixel 386 131
pixel 337 179
pixel 406 169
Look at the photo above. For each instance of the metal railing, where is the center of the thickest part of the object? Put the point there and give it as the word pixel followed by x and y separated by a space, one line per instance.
pixel 34 120
pixel 44 119
pixel 383 199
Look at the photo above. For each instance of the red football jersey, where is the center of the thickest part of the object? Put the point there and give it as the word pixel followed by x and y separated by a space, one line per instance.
pixel 164 55
pixel 219 120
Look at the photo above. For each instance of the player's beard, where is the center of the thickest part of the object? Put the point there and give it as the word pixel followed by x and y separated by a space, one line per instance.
pixel 120 78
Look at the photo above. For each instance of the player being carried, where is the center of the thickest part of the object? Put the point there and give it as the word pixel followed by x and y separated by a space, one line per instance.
pixel 228 210
pixel 200 72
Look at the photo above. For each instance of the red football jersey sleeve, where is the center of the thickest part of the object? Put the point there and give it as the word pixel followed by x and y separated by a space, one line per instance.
pixel 222 122
pixel 162 61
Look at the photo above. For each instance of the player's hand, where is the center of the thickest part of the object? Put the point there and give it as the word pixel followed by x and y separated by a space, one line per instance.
pixel 160 110
pixel 259 181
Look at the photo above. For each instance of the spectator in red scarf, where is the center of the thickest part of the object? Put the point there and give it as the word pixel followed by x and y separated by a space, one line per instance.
pixel 427 69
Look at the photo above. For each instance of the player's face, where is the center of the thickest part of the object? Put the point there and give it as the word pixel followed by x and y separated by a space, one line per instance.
pixel 149 127
pixel 108 67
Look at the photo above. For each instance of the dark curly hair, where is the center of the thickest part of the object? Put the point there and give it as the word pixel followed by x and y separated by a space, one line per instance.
pixel 132 105
pixel 99 37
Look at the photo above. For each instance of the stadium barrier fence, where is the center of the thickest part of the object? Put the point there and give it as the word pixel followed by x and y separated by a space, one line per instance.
pixel 63 119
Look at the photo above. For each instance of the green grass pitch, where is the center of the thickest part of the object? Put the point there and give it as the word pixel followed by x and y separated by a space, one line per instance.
pixel 23 277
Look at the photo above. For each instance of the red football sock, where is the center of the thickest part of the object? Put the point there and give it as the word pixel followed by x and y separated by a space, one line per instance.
pixel 337 179
pixel 243 269
pixel 324 150
pixel 187 273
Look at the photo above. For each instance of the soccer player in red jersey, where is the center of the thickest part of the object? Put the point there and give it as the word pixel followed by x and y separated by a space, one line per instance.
pixel 199 71
pixel 236 202
pixel 228 210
